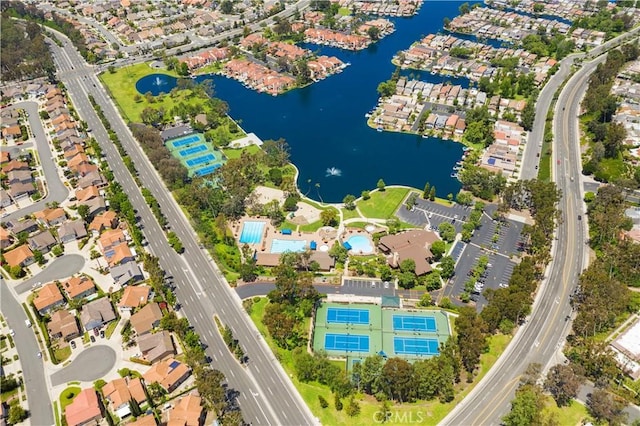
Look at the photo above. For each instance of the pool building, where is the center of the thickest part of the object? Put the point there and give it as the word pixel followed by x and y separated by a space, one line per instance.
pixel 354 331
pixel 268 243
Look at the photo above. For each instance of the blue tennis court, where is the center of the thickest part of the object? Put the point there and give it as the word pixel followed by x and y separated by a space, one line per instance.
pixel 184 141
pixel 207 170
pixel 346 342
pixel 414 323
pixel 192 150
pixel 207 158
pixel 348 316
pixel 415 346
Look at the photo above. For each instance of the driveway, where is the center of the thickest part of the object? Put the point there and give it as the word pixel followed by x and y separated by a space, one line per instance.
pixel 60 268
pixel 91 364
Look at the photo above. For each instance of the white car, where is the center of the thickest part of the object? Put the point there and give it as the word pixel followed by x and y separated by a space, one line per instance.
pixel 11 332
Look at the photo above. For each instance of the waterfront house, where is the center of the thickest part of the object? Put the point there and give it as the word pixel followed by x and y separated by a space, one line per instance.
pixel 19 256
pixel 48 298
pixel 85 409
pixel 169 374
pixel 146 319
pixel 63 325
pixel 450 124
pixel 97 313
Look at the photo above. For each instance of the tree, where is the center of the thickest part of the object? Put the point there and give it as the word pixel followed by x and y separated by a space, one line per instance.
pixel 365 195
pixel 39 257
pixel 275 176
pixel 613 141
pixel 380 185
pixel 329 217
pixel 387 88
pixel 16 414
pixel 349 202
pixel 605 407
pixel 464 198
pixel 447 267
pixel 447 231
pixel 370 374
pixel 426 190
pixel 323 402
pixel 526 407
pixel 209 383
pixel 276 152
pixel 398 381
pixel 353 408
pixel 437 249
pixel 471 336
pixel 464 8
pixel 528 115
pixel 563 384
pixel 83 212
pixel 373 33
pixel 432 194
pixel 425 300
pixel 337 402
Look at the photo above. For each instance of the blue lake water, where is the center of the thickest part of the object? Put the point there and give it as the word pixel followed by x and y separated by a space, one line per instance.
pixel 325 125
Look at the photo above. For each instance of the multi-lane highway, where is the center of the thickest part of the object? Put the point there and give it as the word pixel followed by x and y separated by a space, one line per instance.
pixel 541 338
pixel 267 396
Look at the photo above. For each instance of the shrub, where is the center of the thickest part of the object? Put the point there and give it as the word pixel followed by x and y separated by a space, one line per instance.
pixel 323 402
pixel 338 403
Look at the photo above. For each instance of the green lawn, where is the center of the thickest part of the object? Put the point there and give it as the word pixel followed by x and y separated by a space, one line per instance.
pixel 611 169
pixel 110 329
pixel 575 414
pixel 121 84
pixel 383 204
pixel 311 227
pixel 236 153
pixel 431 412
pixel 349 214
pixel 67 396
pixel 344 11
pixel 62 354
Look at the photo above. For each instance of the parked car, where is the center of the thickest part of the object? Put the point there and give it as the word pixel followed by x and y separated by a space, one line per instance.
pixel 102 334
pixel 27 323
pixel 95 331
pixel 73 344
pixel 93 339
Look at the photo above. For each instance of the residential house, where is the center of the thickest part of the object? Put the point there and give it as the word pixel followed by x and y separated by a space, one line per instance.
pixel 28 225
pixel 12 133
pixel 63 325
pixel 168 373
pixel 120 392
pixel 134 296
pixel 71 231
pixel 15 165
pixel 19 256
pixel 87 194
pixel 43 242
pixel 85 409
pixel 51 217
pixel 20 190
pixel 119 255
pixel 148 420
pixel 92 178
pixel 5 199
pixel 97 313
pixel 48 298
pixel 413 245
pixel 109 239
pixel 146 319
pixel 96 206
pixel 105 220
pixel 5 239
pixel 156 346
pixel 79 287
pixel 188 411
pixel 126 273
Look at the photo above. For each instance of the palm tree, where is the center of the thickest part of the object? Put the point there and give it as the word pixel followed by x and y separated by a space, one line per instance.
pixel 318 191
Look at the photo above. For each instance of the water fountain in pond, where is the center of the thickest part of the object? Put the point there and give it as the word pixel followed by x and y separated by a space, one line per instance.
pixel 158 82
pixel 332 171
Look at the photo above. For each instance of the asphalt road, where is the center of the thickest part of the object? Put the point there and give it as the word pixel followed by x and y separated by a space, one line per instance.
pixel 542 337
pixel 55 187
pixel 267 396
pixel 90 364
pixel 61 267
pixel 40 410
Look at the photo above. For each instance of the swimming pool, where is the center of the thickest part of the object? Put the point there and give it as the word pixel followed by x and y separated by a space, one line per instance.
pixel 360 244
pixel 251 232
pixel 280 246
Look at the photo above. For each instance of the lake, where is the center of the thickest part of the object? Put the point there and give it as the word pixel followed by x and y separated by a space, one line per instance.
pixel 325 123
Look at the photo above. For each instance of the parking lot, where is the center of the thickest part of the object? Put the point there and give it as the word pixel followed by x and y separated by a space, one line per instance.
pixel 367 287
pixel 498 241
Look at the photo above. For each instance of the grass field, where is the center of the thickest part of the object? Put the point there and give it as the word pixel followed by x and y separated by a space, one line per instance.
pixel 383 204
pixel 67 396
pixel 574 414
pixel 349 214
pixel 61 354
pixel 122 85
pixel 236 153
pixel 427 412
